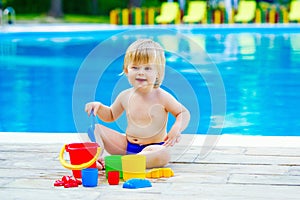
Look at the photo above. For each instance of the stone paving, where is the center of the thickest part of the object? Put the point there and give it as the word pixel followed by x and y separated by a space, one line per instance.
pixel 238 167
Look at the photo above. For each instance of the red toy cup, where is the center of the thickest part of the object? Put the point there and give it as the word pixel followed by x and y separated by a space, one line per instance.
pixel 113 177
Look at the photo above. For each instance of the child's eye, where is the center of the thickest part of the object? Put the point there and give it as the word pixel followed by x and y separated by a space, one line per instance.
pixel 147 68
pixel 134 67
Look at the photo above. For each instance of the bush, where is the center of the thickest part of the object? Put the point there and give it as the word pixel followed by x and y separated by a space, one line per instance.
pixel 28 6
pixel 80 7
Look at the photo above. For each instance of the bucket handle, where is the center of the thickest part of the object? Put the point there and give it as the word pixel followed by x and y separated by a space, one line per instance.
pixel 76 167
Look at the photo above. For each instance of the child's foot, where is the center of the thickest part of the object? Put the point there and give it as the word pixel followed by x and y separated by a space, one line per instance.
pixel 100 164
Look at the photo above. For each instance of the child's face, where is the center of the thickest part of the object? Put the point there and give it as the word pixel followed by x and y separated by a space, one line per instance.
pixel 142 75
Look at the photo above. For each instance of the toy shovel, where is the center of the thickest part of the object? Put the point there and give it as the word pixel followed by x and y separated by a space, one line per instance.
pixel 91 129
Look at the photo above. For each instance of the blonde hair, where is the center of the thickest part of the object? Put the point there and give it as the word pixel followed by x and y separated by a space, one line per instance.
pixel 146 51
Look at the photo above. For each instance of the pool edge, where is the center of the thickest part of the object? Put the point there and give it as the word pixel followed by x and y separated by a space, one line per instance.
pixel 187 139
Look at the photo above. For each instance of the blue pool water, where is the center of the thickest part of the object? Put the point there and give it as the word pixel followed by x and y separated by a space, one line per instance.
pixel 245 76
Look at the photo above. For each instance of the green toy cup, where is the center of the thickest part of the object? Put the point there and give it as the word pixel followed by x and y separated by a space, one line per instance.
pixel 113 163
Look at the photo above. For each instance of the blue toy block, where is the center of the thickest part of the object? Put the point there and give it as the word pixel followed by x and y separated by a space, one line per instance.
pixel 136 183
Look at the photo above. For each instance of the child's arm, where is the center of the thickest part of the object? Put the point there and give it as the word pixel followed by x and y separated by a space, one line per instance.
pixel 182 116
pixel 106 113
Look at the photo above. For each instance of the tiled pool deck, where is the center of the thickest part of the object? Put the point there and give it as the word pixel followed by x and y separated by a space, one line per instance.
pixel 239 167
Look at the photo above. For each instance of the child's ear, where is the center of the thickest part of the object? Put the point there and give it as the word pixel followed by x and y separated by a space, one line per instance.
pixel 125 70
pixel 156 82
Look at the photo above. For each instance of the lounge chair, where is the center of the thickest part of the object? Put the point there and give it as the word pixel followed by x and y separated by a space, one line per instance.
pixel 246 11
pixel 169 13
pixel 196 12
pixel 294 14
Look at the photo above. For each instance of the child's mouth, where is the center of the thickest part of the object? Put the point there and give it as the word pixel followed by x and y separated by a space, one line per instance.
pixel 140 79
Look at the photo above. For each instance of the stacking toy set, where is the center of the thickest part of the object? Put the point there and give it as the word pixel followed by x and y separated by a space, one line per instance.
pixel 83 157
pixel 130 168
pixel 124 167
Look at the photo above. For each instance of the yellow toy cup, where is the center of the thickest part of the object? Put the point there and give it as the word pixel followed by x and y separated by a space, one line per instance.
pixel 133 166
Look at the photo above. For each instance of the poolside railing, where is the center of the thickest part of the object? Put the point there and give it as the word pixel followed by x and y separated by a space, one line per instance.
pixel 7 16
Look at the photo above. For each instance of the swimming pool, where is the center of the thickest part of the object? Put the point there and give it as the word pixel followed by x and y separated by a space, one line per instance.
pixel 246 75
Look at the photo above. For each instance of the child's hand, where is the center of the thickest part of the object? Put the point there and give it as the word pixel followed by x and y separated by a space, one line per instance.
pixel 172 138
pixel 92 106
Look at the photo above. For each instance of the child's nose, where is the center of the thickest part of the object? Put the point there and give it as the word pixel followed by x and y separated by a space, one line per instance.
pixel 141 71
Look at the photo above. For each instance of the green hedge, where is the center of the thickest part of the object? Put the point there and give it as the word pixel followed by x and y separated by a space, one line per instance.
pixel 82 7
pixel 28 6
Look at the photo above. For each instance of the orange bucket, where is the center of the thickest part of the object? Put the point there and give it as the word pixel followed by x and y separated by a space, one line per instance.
pixel 82 155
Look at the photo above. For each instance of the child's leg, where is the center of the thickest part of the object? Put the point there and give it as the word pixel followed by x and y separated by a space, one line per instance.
pixel 156 156
pixel 112 141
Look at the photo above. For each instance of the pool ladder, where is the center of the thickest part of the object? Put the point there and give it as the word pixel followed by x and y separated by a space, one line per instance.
pixel 7 16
